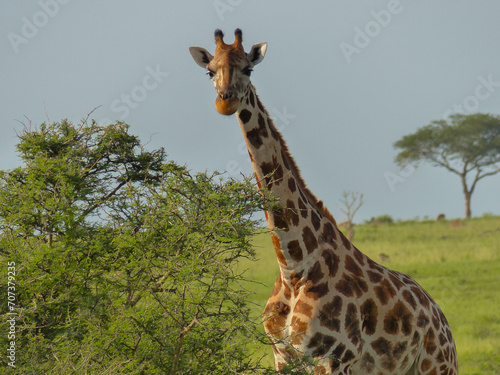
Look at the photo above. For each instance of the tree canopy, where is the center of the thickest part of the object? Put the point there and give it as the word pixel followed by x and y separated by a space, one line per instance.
pixel 124 261
pixel 467 145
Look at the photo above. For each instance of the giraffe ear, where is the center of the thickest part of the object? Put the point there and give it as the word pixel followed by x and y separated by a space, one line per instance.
pixel 256 54
pixel 201 56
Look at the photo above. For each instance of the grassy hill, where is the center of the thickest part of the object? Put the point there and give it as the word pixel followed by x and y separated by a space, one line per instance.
pixel 457 262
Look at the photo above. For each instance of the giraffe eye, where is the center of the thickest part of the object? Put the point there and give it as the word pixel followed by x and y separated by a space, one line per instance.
pixel 210 74
pixel 247 71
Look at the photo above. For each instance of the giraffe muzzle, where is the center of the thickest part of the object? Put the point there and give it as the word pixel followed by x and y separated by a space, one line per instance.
pixel 227 104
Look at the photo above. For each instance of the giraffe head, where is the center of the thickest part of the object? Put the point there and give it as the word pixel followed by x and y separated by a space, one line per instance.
pixel 229 69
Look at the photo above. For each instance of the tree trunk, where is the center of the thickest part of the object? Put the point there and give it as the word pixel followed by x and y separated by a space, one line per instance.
pixel 467 194
pixel 350 231
pixel 467 205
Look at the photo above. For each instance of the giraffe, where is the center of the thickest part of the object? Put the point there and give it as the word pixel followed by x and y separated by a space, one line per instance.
pixel 330 301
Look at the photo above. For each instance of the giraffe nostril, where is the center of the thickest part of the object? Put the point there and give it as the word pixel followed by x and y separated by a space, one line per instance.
pixel 226 95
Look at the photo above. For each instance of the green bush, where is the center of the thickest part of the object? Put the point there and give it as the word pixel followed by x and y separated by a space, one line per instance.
pixel 382 219
pixel 124 261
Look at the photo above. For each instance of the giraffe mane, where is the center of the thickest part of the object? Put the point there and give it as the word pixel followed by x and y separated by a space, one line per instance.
pixel 311 197
pixel 317 203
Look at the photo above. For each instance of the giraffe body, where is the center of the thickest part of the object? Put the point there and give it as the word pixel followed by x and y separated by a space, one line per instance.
pixel 330 301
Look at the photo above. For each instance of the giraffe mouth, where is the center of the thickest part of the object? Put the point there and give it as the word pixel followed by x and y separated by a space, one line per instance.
pixel 226 106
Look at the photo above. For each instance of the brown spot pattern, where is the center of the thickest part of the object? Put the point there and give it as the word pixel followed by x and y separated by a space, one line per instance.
pixel 426 365
pixel 276 318
pixel 351 286
pixel 277 286
pixel 332 261
pixel 381 346
pixel 321 344
pixel 315 220
pixel 359 256
pixel 352 324
pixel 337 354
pixel 423 299
pixel 245 115
pixel 329 314
pixel 385 291
pixel 295 278
pixel 294 250
pixel 375 277
pixel 303 209
pixel 422 320
pixel 398 318
pixel 389 354
pixel 274 134
pixel 375 266
pixel 281 308
pixel 345 241
pixel 298 327
pixel 408 297
pixel 267 169
pixel 284 155
pixel 367 363
pixel 255 137
pixel 369 315
pixel 287 292
pixel 416 338
pixel 309 239
pixel 277 248
pixel 292 213
pixel 429 342
pixel 393 275
pixel 303 308
pixel 261 121
pixel 252 99
pixel 329 233
pixel 278 175
pixel 435 322
pixel 280 220
pixel 352 267
pixel 317 291
pixel 315 274
pixel 348 356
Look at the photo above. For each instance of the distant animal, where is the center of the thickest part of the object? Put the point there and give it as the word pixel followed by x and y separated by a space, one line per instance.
pixel 440 217
pixel 456 223
pixel 384 258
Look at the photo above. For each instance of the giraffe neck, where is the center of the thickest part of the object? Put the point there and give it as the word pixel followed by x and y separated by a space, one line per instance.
pixel 298 224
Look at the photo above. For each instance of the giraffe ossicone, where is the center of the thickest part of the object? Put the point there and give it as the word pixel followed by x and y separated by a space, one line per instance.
pixel 330 301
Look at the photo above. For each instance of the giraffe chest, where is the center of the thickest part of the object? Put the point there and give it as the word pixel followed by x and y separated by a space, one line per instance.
pixel 295 321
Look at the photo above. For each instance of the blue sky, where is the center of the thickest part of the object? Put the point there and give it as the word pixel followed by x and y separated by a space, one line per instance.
pixel 344 81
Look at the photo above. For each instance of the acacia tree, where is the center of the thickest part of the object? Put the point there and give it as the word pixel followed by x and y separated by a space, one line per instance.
pixel 124 261
pixel 467 145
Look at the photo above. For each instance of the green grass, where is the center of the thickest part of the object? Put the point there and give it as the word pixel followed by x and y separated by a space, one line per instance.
pixel 458 265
